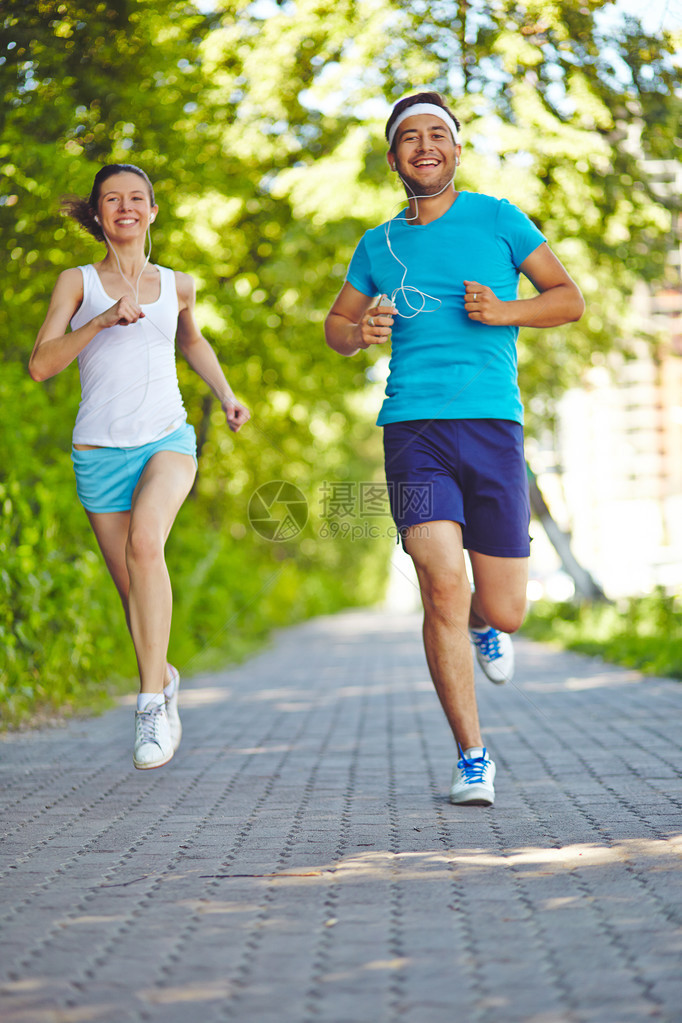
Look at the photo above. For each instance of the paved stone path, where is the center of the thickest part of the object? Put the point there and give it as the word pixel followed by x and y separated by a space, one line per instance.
pixel 299 862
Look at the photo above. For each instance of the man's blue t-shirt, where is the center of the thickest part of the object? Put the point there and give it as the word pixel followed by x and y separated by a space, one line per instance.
pixel 444 365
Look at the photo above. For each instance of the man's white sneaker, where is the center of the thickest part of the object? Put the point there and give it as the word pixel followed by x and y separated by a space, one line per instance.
pixel 494 653
pixel 472 780
pixel 153 746
pixel 172 708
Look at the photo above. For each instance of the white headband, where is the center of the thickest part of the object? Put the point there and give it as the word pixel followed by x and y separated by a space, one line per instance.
pixel 422 108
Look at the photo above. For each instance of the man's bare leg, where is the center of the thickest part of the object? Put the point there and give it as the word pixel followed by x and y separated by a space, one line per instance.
pixel 438 556
pixel 497 609
pixel 499 597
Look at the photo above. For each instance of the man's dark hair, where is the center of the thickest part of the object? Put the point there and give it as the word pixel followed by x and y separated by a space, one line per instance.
pixel 419 97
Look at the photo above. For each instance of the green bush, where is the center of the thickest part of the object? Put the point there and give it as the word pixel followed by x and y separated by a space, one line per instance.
pixel 640 632
pixel 63 638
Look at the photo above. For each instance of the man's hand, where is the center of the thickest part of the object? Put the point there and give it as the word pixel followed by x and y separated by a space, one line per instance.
pixel 375 326
pixel 481 303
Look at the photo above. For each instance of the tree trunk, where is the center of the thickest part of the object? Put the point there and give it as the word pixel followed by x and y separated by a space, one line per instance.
pixel 585 586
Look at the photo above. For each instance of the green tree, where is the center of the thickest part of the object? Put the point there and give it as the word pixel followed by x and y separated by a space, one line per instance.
pixel 261 125
pixel 134 82
pixel 555 99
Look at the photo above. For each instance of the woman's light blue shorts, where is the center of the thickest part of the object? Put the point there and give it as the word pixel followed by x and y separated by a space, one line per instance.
pixel 106 477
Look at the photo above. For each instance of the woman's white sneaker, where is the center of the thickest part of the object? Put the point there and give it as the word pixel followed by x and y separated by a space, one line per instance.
pixel 494 653
pixel 153 745
pixel 172 706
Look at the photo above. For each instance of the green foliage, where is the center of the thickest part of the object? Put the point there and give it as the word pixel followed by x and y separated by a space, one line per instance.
pixel 644 632
pixel 555 100
pixel 261 126
pixel 61 628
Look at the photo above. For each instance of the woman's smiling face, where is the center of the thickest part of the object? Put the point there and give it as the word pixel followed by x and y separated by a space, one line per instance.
pixel 124 206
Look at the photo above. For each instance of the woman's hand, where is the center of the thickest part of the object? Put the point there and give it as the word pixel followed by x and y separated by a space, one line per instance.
pixel 121 314
pixel 236 414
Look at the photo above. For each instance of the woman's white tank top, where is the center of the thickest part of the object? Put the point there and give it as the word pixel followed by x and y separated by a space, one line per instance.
pixel 129 383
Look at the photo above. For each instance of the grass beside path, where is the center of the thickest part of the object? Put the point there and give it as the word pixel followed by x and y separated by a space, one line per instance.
pixel 641 632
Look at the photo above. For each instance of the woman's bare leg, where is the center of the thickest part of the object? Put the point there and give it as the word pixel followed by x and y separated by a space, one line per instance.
pixel 135 539
pixel 163 486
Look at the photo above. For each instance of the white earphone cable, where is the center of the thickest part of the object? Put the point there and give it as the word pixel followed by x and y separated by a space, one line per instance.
pixel 404 288
pixel 140 324
pixel 135 290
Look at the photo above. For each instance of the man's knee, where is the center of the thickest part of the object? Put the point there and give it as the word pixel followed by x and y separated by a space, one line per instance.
pixel 443 592
pixel 505 614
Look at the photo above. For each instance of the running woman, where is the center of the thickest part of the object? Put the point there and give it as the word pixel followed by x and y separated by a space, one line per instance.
pixel 447 271
pixel 134 454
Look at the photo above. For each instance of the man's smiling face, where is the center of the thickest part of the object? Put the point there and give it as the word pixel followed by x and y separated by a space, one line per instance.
pixel 424 154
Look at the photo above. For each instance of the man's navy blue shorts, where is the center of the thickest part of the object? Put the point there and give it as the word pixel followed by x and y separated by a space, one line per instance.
pixel 471 471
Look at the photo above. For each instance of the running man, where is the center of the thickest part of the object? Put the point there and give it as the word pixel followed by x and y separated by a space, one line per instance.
pixel 441 280
pixel 134 453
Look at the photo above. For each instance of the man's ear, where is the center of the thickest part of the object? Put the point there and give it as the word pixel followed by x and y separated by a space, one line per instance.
pixel 391 160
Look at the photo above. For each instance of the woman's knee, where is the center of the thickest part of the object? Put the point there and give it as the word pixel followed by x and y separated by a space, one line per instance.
pixel 144 546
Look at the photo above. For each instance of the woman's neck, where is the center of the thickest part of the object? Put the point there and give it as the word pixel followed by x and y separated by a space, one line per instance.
pixel 131 259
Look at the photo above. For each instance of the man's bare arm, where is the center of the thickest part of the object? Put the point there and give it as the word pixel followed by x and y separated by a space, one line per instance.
pixel 558 300
pixel 355 323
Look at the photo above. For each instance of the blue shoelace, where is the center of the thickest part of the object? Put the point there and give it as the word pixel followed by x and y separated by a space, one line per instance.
pixel 488 643
pixel 474 770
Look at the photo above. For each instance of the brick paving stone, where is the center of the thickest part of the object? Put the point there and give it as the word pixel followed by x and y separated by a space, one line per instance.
pixel 299 860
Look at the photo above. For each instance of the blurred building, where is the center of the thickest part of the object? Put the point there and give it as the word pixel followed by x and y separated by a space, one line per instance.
pixel 620 445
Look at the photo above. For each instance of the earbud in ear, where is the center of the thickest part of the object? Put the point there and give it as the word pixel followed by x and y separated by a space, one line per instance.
pixel 152 218
pixel 97 220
